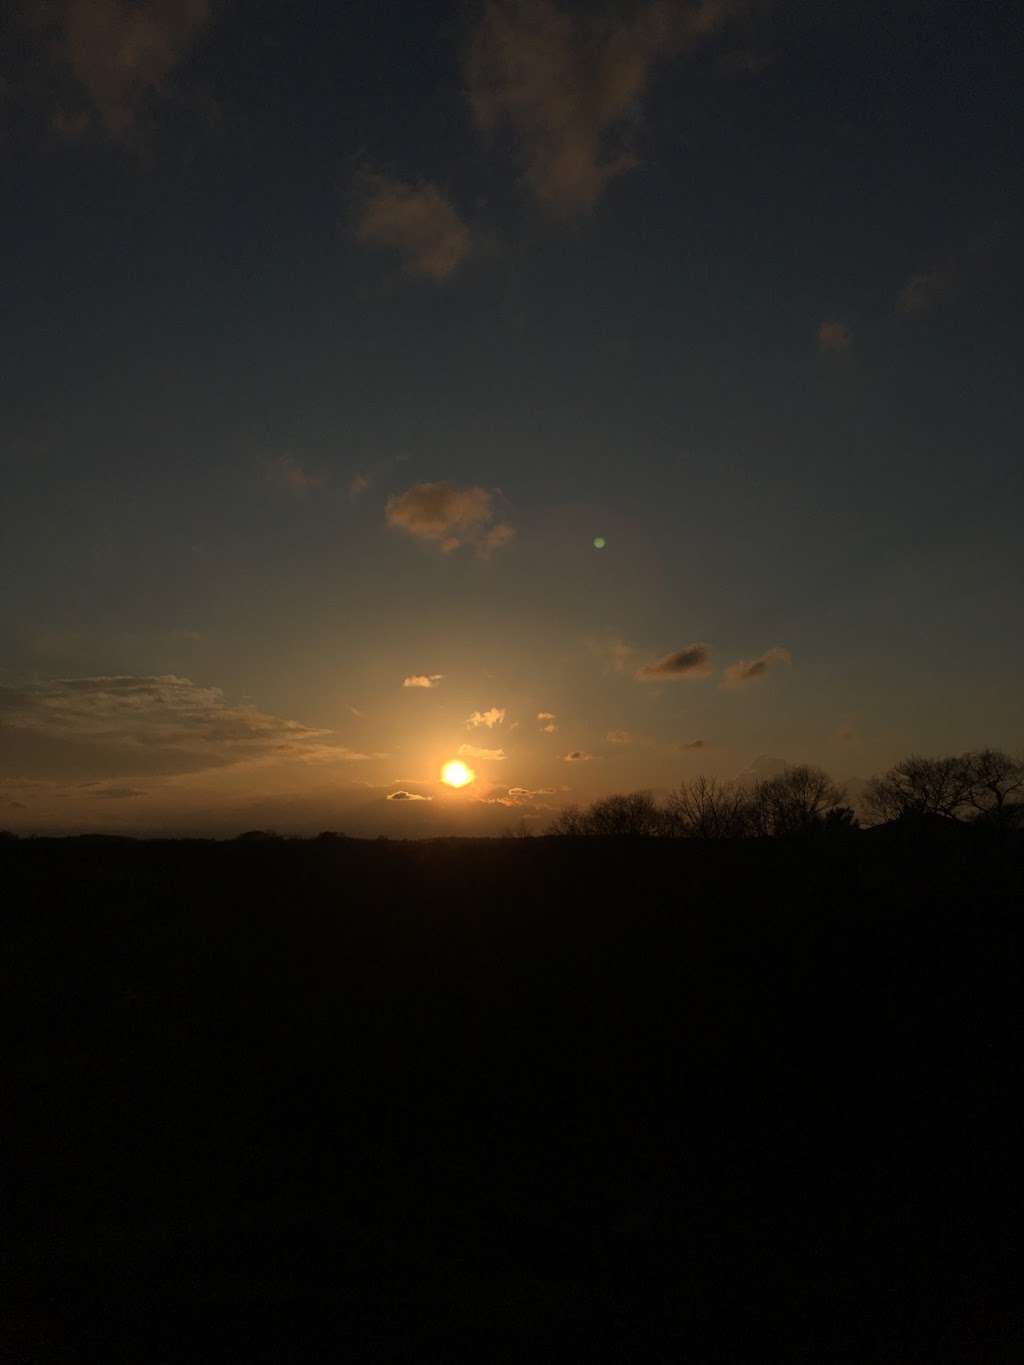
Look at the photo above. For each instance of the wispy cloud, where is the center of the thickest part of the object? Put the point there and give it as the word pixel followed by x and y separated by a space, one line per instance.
pixel 694 744
pixel 749 670
pixel 616 654
pixel 834 337
pixel 690 662
pixel 152 726
pixel 422 680
pixel 567 85
pixel 449 516
pixel 548 725
pixel 577 756
pixel 292 475
pixel 417 221
pixel 925 291
pixel 407 796
pixel 492 717
pixel 619 737
pixel 516 796
pixel 358 484
pixel 473 751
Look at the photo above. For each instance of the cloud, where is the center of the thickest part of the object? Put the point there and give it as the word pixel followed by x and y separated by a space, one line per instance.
pixel 516 796
pixel 923 292
pixel 114 57
pixel 495 716
pixel 116 793
pixel 749 670
pixel 547 720
pixel 417 221
pixel 423 680
pixel 567 85
pixel 407 796
pixel 619 737
pixel 449 515
pixel 472 751
pixel 692 661
pixel 358 484
pixel 834 337
pixel 694 744
pixel 577 756
pixel 292 475
pixel 149 725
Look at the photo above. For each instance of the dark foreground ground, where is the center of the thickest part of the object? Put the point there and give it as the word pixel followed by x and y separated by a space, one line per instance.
pixel 522 1100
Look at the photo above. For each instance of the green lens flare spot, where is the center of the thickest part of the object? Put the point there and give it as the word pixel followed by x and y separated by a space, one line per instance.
pixel 599 542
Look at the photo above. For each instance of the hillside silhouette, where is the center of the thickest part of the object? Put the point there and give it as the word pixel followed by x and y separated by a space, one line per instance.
pixel 540 1099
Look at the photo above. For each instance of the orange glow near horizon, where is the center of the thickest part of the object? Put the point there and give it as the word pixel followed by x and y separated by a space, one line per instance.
pixel 456 774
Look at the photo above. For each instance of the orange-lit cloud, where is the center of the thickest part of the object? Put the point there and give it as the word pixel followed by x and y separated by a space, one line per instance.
pixel 416 221
pixel 749 670
pixel 358 484
pixel 568 84
pixel 423 680
pixel 577 756
pixel 449 516
pixel 494 716
pixel 619 737
pixel 407 796
pixel 116 56
pixel 547 722
pixel 473 751
pixel 692 661
pixel 834 337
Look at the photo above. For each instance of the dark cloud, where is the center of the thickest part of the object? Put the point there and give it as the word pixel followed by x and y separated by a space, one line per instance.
pixel 749 670
pixel 407 796
pixel 694 744
pixel 449 516
pixel 115 793
pixel 577 756
pixel 111 60
pixel 567 84
pixel 417 221
pixel 693 661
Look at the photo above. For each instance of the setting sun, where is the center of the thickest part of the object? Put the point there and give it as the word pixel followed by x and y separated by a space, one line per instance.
pixel 456 774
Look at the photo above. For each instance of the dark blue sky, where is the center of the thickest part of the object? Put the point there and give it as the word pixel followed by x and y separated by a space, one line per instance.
pixel 734 286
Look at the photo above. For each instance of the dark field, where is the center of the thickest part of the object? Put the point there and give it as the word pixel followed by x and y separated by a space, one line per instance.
pixel 524 1100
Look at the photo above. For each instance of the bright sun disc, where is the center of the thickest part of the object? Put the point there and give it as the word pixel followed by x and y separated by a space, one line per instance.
pixel 456 774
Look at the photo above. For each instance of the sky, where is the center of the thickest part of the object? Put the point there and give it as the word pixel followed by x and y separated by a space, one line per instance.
pixel 597 395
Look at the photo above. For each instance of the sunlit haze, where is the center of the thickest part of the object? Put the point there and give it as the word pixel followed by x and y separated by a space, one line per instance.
pixel 372 406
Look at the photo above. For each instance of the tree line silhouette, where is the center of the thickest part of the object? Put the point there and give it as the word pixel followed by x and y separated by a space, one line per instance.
pixel 982 787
